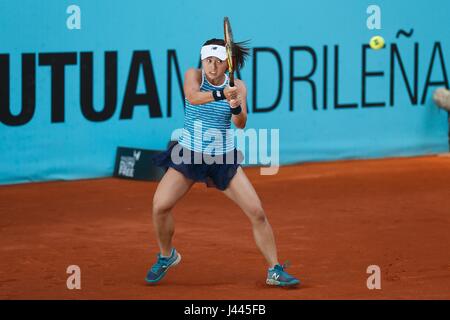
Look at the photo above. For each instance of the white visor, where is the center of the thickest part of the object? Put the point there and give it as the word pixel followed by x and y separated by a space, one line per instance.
pixel 214 50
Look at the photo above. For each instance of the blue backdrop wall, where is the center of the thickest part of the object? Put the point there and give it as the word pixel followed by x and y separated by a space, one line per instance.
pixel 311 75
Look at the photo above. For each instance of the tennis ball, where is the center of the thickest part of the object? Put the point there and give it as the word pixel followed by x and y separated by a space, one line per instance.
pixel 377 42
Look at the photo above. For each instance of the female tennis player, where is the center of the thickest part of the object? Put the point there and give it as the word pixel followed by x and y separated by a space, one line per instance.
pixel 211 105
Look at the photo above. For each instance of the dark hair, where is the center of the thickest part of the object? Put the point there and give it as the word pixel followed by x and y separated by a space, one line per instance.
pixel 241 50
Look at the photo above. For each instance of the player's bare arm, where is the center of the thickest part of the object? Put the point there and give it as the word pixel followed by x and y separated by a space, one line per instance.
pixel 240 119
pixel 192 83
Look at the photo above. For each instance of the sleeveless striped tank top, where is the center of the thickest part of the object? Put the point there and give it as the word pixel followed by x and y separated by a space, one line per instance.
pixel 206 126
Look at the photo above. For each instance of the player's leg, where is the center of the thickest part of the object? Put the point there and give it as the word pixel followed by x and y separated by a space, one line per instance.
pixel 241 191
pixel 172 187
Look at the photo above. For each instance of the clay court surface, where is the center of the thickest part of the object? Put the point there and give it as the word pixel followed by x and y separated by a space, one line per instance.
pixel 331 220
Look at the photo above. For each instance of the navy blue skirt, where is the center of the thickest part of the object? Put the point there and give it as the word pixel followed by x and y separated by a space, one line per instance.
pixel 217 174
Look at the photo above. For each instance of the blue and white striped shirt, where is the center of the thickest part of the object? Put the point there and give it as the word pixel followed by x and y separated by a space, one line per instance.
pixel 207 126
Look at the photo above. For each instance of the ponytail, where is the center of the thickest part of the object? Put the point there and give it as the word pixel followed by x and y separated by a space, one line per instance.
pixel 242 51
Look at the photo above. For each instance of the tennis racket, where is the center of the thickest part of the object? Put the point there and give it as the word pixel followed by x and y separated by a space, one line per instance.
pixel 229 46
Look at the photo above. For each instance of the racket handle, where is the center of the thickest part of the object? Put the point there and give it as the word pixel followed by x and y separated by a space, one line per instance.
pixel 231 82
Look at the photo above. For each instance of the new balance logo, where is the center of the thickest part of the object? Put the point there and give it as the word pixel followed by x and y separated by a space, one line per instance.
pixel 275 276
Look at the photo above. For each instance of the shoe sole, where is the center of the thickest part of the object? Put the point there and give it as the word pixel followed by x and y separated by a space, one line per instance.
pixel 177 261
pixel 272 282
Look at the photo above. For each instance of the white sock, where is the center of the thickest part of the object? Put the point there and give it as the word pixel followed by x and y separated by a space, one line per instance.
pixel 168 255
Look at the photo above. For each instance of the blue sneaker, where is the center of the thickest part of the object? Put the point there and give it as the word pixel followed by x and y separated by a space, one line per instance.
pixel 276 276
pixel 159 269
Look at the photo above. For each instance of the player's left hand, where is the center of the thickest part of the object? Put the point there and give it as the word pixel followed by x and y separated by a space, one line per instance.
pixel 234 103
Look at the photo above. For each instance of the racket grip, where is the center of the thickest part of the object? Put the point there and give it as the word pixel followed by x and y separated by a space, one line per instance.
pixel 231 82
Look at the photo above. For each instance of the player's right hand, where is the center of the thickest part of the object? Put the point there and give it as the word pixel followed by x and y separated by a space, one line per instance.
pixel 230 92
